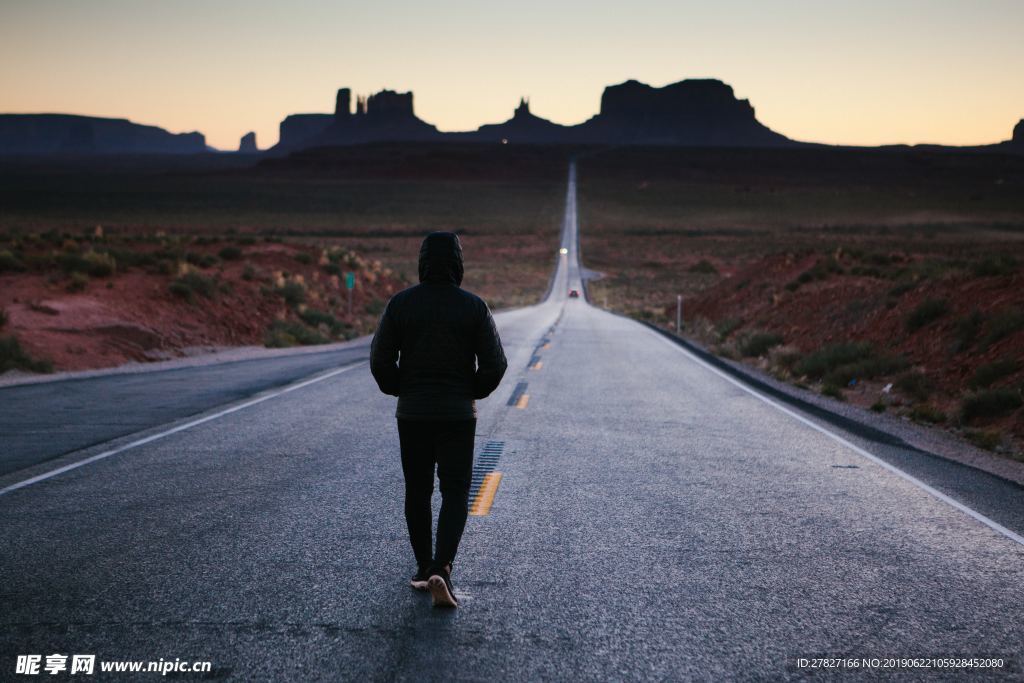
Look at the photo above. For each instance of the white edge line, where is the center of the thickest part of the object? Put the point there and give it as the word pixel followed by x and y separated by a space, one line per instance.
pixel 180 428
pixel 990 523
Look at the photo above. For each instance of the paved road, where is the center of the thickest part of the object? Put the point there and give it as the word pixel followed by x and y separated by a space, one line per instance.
pixel 44 421
pixel 654 521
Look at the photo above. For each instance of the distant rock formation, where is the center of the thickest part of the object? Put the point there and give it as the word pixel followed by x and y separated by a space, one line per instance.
pixel 384 116
pixel 298 130
pixel 691 112
pixel 702 112
pixel 1018 134
pixel 60 134
pixel 523 127
pixel 247 145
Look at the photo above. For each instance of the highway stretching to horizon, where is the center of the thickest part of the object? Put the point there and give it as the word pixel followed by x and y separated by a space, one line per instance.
pixel 646 517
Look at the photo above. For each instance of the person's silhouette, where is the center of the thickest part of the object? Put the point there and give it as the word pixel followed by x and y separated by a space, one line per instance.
pixel 436 348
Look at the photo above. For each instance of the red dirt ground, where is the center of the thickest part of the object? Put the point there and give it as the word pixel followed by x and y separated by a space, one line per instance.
pixel 133 316
pixel 845 307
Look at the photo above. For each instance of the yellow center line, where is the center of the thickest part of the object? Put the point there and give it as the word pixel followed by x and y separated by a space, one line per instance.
pixel 538 365
pixel 546 346
pixel 485 496
pixel 523 400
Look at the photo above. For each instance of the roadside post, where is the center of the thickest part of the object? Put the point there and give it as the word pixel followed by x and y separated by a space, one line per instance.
pixel 350 284
pixel 679 313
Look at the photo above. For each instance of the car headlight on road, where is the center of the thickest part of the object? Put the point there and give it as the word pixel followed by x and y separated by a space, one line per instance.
pixel 563 250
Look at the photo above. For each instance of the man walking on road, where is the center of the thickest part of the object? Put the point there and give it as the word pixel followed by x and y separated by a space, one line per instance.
pixel 437 349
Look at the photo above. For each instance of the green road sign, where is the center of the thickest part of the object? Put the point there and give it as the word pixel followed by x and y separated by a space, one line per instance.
pixel 350 280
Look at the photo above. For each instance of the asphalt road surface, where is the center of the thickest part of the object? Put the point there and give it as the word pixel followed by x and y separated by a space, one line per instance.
pixel 654 520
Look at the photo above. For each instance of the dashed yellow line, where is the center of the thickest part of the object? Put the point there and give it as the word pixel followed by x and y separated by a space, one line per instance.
pixel 546 346
pixel 523 401
pixel 485 496
pixel 538 365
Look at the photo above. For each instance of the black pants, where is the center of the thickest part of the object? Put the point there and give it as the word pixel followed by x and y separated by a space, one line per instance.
pixel 449 445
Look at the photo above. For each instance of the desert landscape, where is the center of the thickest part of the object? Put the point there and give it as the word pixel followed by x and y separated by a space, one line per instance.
pixel 728 385
pixel 101 264
pixel 887 277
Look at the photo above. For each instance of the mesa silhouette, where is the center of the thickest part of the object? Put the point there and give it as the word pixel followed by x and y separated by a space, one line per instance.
pixel 70 134
pixel 701 112
pixel 692 112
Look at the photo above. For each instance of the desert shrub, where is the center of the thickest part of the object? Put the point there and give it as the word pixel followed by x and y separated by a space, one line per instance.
pixel 926 312
pixel 704 267
pixel 283 333
pixel 758 343
pixel 916 385
pixel 180 289
pixel 832 391
pixel 293 293
pixel 839 364
pixel 248 272
pixel 247 241
pixel 99 265
pixel 376 306
pixel 332 269
pixel 192 283
pixel 966 331
pixel 989 403
pixel 9 262
pixel 303 258
pixel 990 373
pixel 129 258
pixel 726 327
pixel 819 271
pixel 1003 324
pixel 3 317
pixel 927 413
pixel 13 357
pixel 878 407
pixel 989 439
pixel 172 254
pixel 785 357
pixel 866 368
pixel 816 364
pixel 324 320
pixel 90 262
pixel 991 266
pixel 230 253
pixel 201 260
pixel 78 282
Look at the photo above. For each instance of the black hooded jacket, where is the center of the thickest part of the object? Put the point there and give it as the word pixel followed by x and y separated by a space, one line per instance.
pixel 436 347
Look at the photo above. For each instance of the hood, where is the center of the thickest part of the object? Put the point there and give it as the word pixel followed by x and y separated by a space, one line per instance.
pixel 441 259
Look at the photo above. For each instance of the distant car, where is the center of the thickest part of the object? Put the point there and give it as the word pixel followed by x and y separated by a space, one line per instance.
pixel 574 293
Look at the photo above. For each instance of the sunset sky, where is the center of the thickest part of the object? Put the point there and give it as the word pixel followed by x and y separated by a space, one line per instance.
pixel 860 72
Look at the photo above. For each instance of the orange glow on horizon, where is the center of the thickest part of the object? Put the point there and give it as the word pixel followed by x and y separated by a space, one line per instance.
pixel 878 73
